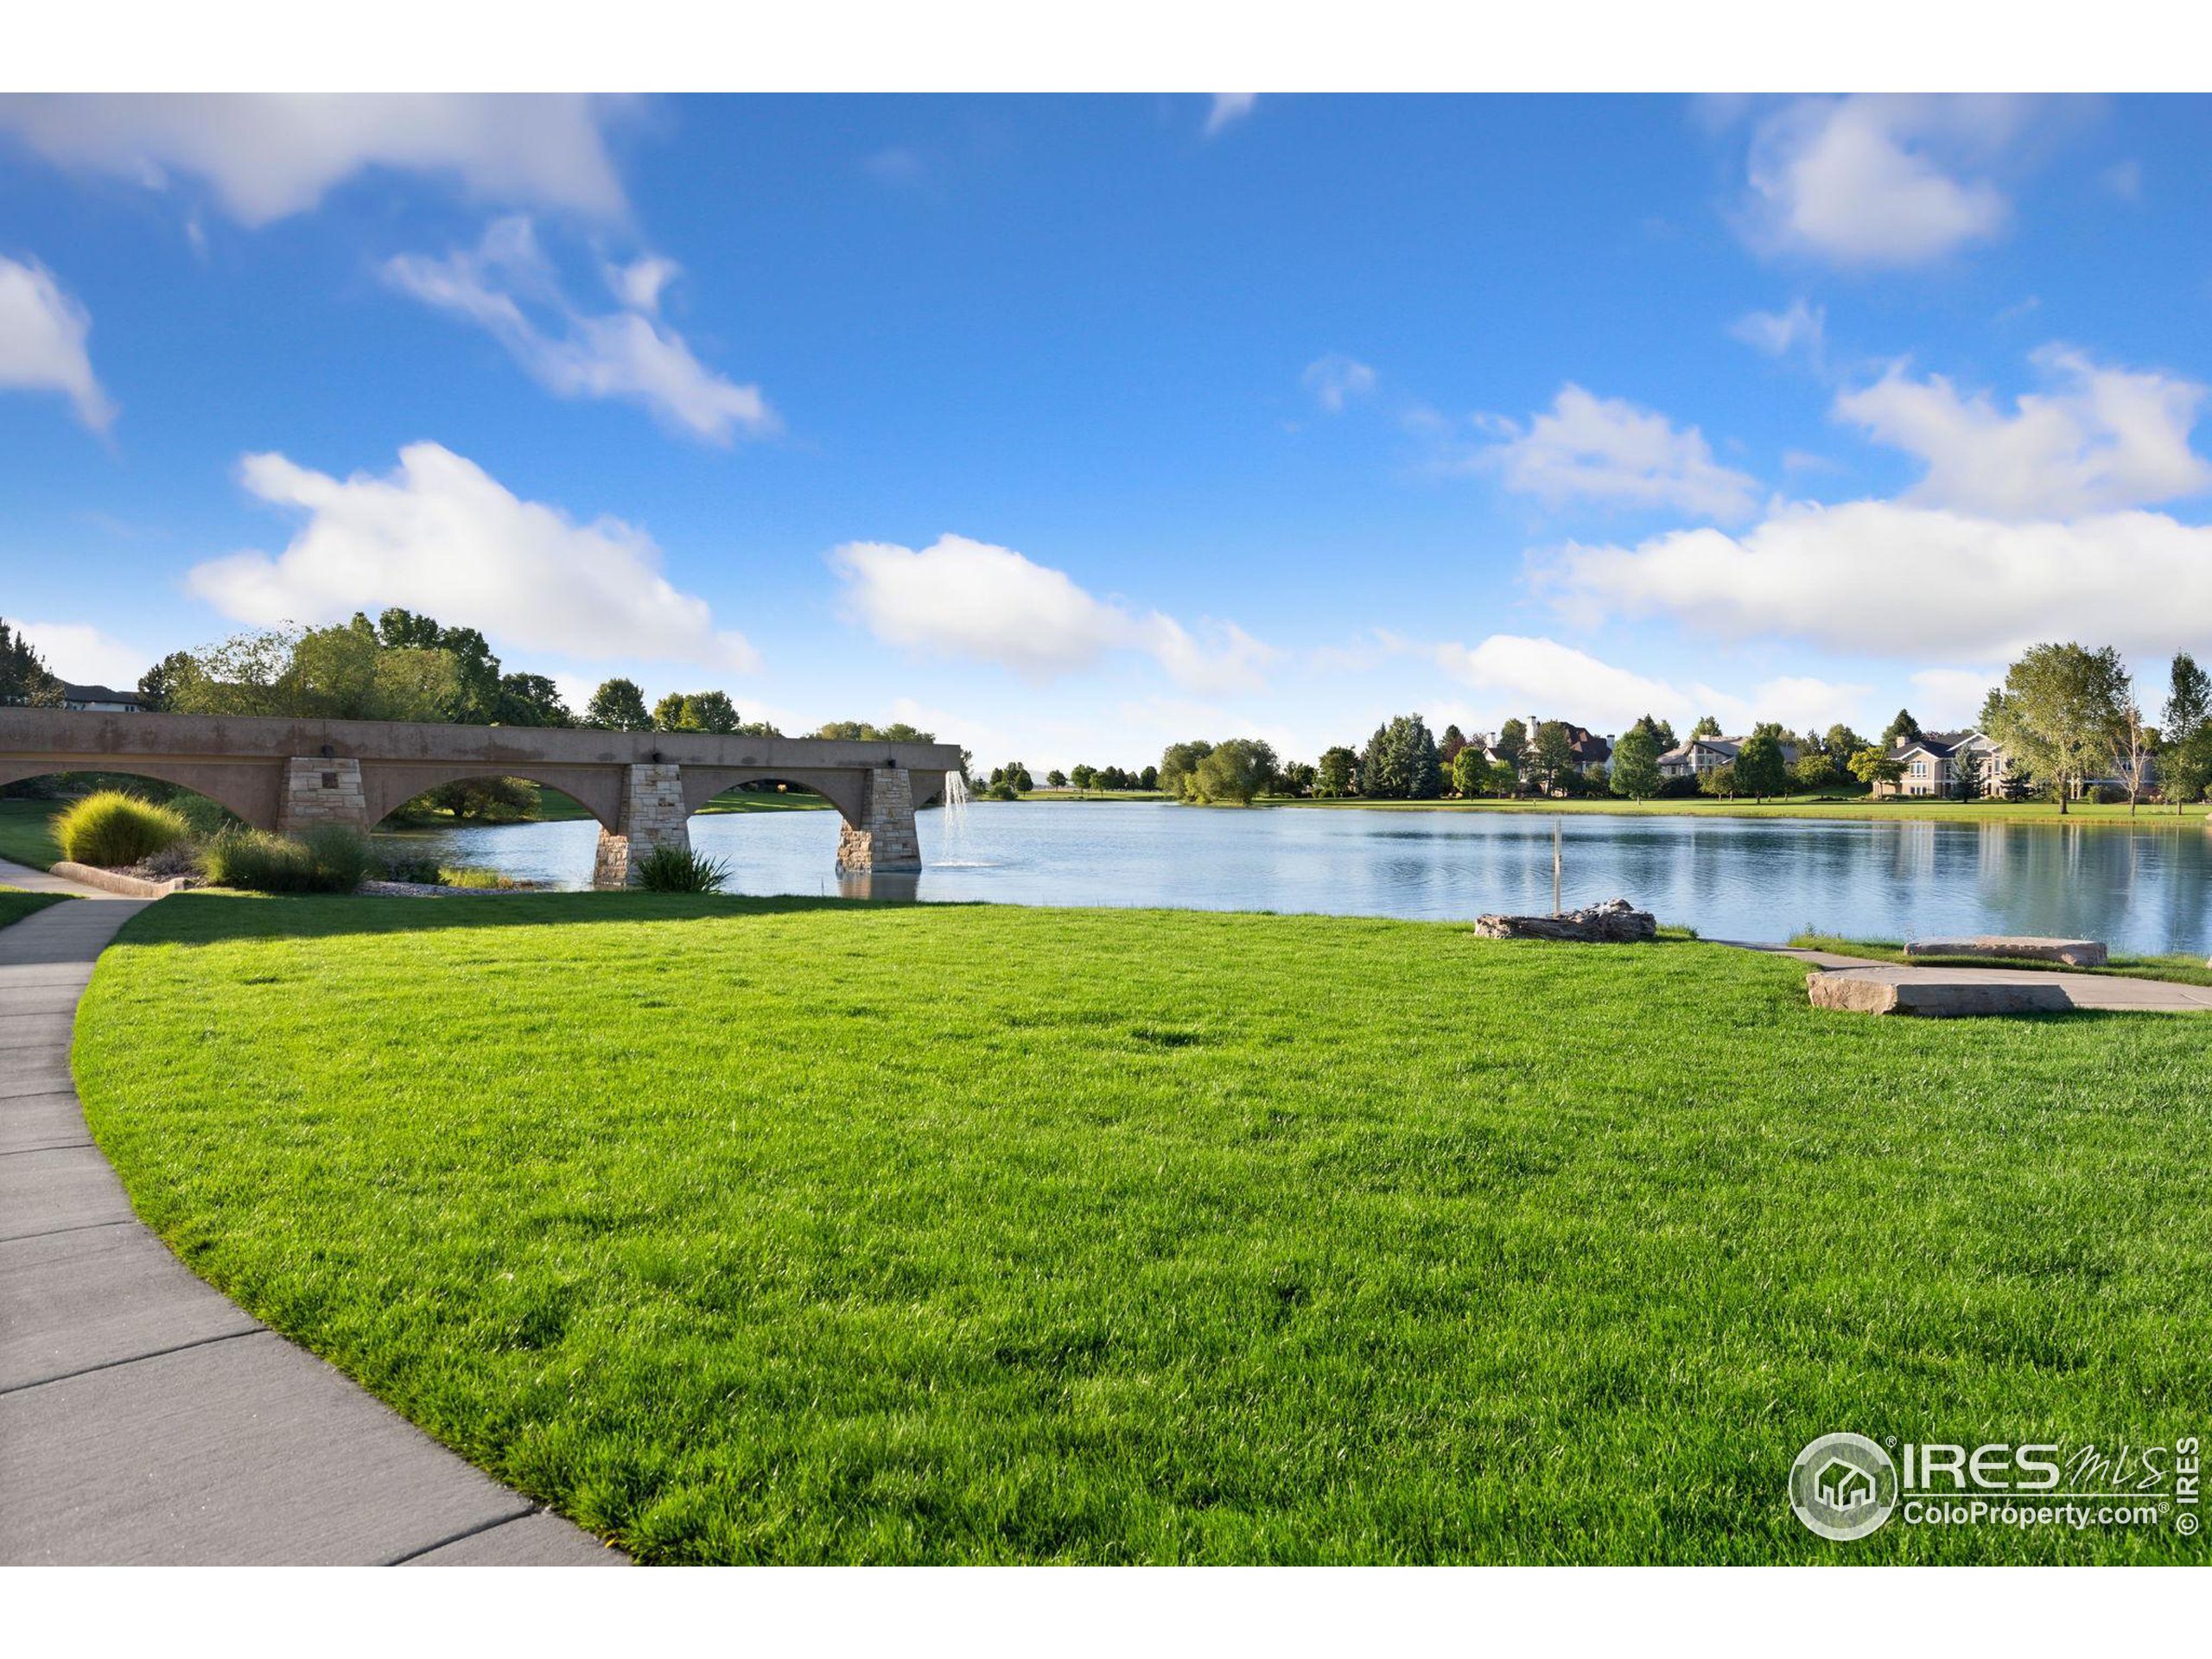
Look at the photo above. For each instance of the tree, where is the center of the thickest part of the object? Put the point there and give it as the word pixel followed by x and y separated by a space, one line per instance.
pixel 24 678
pixel 1967 773
pixel 1813 771
pixel 1337 774
pixel 1239 770
pixel 243 675
pixel 1719 780
pixel 619 706
pixel 1083 777
pixel 2059 711
pixel 1905 726
pixel 531 700
pixel 1512 745
pixel 486 800
pixel 1553 753
pixel 1179 762
pixel 2135 749
pixel 1760 769
pixel 1636 762
pixel 1056 779
pixel 2188 729
pixel 668 713
pixel 1841 743
pixel 1449 745
pixel 1400 762
pixel 1661 734
pixel 1871 767
pixel 710 711
pixel 1706 726
pixel 1296 777
pixel 1149 778
pixel 1472 774
pixel 157 685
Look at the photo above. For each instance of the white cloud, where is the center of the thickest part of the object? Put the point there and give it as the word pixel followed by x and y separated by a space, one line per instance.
pixel 1951 697
pixel 2100 439
pixel 80 653
pixel 969 599
pixel 1778 334
pixel 2124 179
pixel 441 535
pixel 1335 380
pixel 1228 109
pixel 626 354
pixel 1607 449
pixel 42 332
pixel 1894 580
pixel 268 155
pixel 1553 680
pixel 1872 180
pixel 638 284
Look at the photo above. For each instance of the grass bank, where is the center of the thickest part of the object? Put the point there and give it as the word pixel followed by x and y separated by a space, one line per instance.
pixel 15 903
pixel 2178 970
pixel 787 1230
pixel 27 832
pixel 1862 808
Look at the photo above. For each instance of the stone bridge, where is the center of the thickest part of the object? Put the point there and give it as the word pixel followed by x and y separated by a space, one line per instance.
pixel 289 775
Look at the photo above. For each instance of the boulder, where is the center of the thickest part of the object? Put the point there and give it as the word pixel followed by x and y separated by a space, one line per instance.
pixel 1932 995
pixel 2074 953
pixel 1614 922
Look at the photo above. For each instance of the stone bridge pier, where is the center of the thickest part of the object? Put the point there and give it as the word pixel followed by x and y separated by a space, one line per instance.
pixel 652 816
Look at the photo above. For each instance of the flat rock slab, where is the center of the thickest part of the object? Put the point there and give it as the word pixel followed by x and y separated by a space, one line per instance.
pixel 1932 995
pixel 2074 953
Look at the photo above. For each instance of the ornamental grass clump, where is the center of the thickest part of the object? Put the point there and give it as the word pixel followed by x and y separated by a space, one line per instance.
pixel 112 830
pixel 330 859
pixel 680 869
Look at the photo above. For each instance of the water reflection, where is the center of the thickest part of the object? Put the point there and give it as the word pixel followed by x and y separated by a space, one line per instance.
pixel 2148 888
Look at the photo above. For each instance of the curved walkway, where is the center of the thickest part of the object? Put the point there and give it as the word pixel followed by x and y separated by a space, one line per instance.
pixel 145 1419
pixel 2113 992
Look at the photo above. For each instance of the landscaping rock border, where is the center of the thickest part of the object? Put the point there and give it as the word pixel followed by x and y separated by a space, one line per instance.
pixel 130 886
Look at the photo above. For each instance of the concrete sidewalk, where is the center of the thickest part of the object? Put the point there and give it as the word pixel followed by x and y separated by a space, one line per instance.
pixel 145 1419
pixel 2111 992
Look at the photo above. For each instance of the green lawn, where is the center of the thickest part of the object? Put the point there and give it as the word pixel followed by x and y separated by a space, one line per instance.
pixel 2179 970
pixel 759 1230
pixel 26 834
pixel 15 903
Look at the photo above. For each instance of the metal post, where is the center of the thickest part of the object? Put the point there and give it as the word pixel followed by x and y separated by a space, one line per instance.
pixel 1554 867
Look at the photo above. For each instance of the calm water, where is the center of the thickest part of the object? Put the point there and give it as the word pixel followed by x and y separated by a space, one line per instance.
pixel 2148 889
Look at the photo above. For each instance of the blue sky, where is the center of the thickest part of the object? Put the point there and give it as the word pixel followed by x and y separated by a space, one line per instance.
pixel 1069 426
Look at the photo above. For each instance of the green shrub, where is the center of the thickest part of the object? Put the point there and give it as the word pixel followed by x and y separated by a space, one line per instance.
pixel 418 868
pixel 466 875
pixel 332 859
pixel 679 869
pixel 111 829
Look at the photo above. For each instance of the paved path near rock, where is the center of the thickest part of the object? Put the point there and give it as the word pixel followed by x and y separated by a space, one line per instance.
pixel 2107 991
pixel 144 1417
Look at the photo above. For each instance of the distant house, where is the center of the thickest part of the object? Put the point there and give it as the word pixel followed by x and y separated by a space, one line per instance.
pixel 1931 764
pixel 100 699
pixel 1592 753
pixel 1703 754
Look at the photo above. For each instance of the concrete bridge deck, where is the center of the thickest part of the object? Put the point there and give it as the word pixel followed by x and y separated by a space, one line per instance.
pixel 290 775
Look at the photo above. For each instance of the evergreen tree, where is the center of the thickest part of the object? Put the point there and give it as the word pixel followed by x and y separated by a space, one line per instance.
pixel 24 676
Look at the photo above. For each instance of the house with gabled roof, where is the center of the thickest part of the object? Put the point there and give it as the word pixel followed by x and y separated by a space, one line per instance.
pixel 1931 764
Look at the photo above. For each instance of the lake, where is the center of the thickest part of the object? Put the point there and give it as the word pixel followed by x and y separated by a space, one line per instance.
pixel 2144 889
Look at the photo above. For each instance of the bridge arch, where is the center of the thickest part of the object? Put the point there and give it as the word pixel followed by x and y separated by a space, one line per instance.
pixel 387 786
pixel 248 794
